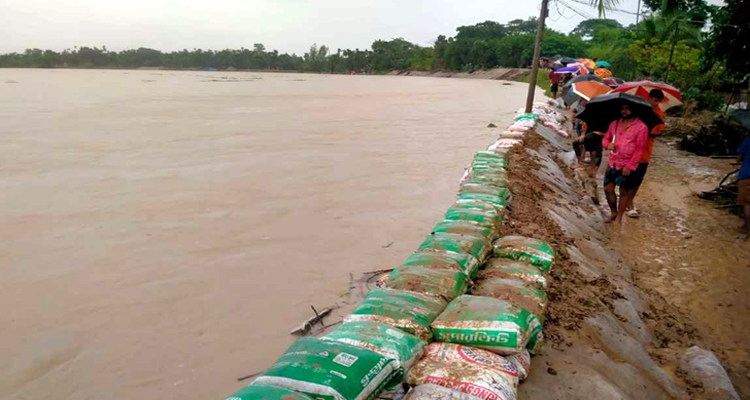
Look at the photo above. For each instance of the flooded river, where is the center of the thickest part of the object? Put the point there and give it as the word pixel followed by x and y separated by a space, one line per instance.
pixel 161 232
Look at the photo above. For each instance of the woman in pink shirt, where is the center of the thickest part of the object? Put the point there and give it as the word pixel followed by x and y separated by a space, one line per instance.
pixel 626 139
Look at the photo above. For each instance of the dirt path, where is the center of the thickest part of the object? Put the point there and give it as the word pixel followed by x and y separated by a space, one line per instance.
pixel 687 253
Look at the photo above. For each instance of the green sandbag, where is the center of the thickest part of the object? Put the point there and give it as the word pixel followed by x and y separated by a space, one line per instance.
pixel 511 269
pixel 330 370
pixel 409 311
pixel 263 392
pixel 477 247
pixel 464 228
pixel 499 202
pixel 492 324
pixel 476 205
pixel 526 117
pixel 517 292
pixel 481 218
pixel 500 157
pixel 446 261
pixel 383 339
pixel 501 192
pixel 443 283
pixel 497 180
pixel 533 251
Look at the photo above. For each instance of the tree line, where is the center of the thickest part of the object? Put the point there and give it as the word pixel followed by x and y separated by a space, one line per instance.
pixel 690 43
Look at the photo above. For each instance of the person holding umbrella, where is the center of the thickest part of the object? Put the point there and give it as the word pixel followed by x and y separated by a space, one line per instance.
pixel 655 97
pixel 626 139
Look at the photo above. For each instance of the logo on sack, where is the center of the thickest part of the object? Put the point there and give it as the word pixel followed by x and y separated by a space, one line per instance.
pixel 486 359
pixel 345 359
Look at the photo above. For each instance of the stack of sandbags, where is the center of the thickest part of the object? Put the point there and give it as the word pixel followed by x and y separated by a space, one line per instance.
pixel 483 338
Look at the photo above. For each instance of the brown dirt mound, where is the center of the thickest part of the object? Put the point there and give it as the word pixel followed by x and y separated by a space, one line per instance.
pixel 571 297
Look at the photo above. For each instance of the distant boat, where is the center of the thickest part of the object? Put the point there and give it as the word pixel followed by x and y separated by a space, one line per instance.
pixel 212 69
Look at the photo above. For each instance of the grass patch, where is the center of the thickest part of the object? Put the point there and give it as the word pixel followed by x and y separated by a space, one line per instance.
pixel 542 80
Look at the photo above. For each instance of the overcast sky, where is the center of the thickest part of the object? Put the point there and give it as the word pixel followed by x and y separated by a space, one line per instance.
pixel 285 25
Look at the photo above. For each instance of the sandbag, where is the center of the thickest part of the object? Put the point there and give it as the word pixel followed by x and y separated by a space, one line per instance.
pixel 383 339
pixel 533 251
pixel 497 180
pixel 464 228
pixel 431 391
pixel 264 392
pixel 516 292
pixel 477 247
pixel 476 205
pixel 502 158
pixel 500 192
pixel 499 202
pixel 408 311
pixel 522 362
pixel 512 269
pixel 464 369
pixel 482 218
pixel 454 261
pixel 488 323
pixel 443 283
pixel 330 370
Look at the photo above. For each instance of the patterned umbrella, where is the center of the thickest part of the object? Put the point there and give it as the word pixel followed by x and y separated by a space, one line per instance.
pixel 587 62
pixel 603 73
pixel 613 82
pixel 567 70
pixel 672 95
pixel 589 89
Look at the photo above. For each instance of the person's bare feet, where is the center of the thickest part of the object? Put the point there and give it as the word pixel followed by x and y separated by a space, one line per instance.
pixel 611 218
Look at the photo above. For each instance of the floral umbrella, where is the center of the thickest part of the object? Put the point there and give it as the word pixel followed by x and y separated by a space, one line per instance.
pixel 672 96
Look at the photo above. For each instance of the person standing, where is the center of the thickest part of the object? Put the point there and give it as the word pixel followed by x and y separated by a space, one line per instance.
pixel 655 97
pixel 626 140
pixel 743 185
pixel 555 79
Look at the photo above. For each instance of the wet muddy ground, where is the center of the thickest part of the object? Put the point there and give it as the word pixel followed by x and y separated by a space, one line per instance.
pixel 687 253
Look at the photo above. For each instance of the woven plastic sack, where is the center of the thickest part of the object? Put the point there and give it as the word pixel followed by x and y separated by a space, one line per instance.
pixel 477 188
pixel 512 135
pixel 502 158
pixel 488 323
pixel 453 261
pixel 263 392
pixel 431 391
pixel 533 251
pixel 522 362
pixel 506 143
pixel 529 116
pixel 479 248
pixel 442 283
pixel 497 180
pixel 383 339
pixel 511 269
pixel 481 218
pixel 516 292
pixel 408 311
pixel 469 370
pixel 500 202
pixel 474 204
pixel 464 228
pixel 330 370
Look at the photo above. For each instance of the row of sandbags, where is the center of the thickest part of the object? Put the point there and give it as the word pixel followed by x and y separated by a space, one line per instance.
pixel 446 322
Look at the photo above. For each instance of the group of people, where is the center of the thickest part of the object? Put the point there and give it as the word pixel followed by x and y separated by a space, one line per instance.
pixel 630 144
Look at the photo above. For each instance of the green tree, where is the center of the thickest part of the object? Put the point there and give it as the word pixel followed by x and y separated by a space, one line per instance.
pixel 588 29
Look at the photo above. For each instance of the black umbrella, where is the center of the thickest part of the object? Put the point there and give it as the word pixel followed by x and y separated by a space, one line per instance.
pixel 602 110
pixel 567 60
pixel 569 97
pixel 589 77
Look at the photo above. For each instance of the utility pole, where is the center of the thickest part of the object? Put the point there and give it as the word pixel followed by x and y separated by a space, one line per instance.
pixel 537 51
pixel 637 14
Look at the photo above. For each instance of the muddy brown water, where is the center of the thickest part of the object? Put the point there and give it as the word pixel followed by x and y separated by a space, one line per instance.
pixel 161 232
